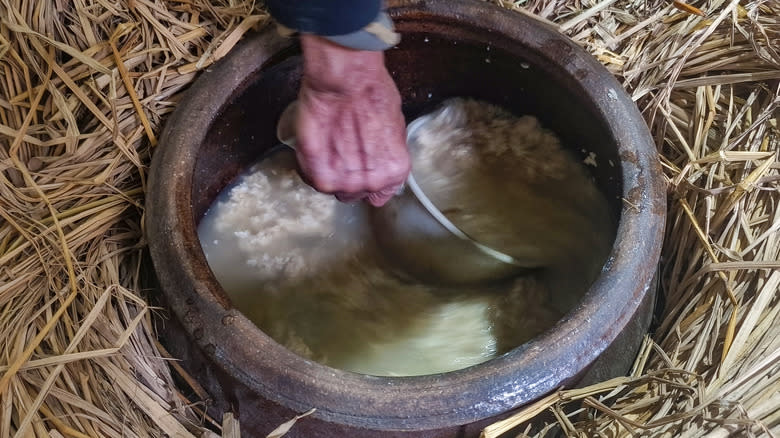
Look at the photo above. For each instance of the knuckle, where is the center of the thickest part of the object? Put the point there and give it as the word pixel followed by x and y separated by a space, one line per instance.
pixel 352 185
pixel 398 170
pixel 381 178
pixel 322 181
pixel 376 183
pixel 347 183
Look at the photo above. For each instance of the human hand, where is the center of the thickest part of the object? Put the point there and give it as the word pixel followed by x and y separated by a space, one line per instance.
pixel 351 133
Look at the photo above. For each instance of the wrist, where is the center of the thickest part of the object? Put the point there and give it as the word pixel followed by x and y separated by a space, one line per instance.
pixel 330 67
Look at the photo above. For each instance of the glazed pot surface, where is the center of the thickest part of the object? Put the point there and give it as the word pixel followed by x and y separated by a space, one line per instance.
pixel 449 48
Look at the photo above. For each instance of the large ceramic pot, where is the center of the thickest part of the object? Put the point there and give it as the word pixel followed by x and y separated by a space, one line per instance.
pixel 449 48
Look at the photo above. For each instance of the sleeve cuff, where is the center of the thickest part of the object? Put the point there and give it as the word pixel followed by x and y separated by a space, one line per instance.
pixel 377 36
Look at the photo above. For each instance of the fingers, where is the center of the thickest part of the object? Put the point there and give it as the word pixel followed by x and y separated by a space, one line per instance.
pixel 377 199
pixel 357 159
pixel 380 198
pixel 353 145
pixel 353 183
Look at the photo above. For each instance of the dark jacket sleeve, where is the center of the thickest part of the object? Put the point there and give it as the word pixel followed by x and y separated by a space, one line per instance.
pixel 324 17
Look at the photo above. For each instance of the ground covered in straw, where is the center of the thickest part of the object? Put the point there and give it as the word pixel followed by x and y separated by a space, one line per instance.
pixel 86 85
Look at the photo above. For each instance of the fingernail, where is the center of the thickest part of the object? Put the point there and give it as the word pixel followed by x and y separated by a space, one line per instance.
pixel 349 197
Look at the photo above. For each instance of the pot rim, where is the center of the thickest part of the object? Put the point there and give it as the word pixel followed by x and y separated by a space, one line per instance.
pixel 459 397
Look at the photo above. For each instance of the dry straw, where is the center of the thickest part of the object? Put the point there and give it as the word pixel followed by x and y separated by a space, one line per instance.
pixel 86 85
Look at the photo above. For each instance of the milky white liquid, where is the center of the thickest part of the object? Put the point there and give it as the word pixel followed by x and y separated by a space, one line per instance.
pixel 304 268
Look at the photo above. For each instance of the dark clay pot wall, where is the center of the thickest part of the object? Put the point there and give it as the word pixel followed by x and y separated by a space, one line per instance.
pixel 227 120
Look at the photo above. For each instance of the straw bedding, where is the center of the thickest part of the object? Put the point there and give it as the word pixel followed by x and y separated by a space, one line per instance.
pixel 85 86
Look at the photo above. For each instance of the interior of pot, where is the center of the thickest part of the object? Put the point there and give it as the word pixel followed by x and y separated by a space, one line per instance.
pixel 427 69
